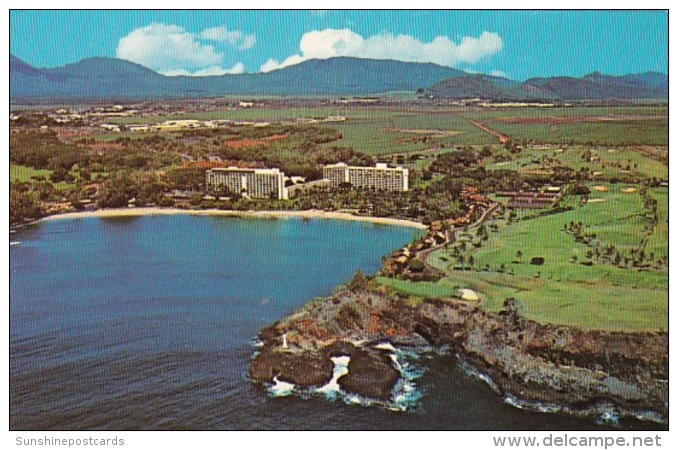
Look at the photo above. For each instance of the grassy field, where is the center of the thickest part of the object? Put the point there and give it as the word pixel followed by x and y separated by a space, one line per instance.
pixel 112 136
pixel 658 241
pixel 580 304
pixel 388 131
pixel 371 130
pixel 26 174
pixel 261 114
pixel 630 125
pixel 562 290
pixel 616 220
pixel 608 162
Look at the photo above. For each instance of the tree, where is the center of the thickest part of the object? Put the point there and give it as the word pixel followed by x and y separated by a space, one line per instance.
pixel 116 191
pixel 85 174
pixel 512 311
pixel 59 174
pixel 359 282
pixel 617 259
pixel 195 199
pixel 482 232
pixel 22 204
pixel 416 266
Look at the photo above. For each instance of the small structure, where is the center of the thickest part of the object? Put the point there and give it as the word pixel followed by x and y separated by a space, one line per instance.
pixel 468 295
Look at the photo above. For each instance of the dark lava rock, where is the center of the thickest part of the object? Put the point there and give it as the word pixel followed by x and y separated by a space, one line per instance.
pixel 532 362
pixel 302 369
pixel 370 374
pixel 340 348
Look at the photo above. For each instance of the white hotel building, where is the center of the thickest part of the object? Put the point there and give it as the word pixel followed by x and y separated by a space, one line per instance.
pixel 380 177
pixel 253 183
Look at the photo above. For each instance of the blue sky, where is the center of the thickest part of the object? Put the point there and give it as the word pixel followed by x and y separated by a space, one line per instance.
pixel 516 44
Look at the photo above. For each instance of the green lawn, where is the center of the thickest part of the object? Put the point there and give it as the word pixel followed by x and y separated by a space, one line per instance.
pixel 601 296
pixel 617 220
pixel 607 162
pixel 658 241
pixel 26 174
pixel 442 289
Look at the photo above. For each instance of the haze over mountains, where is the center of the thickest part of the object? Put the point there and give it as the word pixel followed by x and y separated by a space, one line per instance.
pixel 109 78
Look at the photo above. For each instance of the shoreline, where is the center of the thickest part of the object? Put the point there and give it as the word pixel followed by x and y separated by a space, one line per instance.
pixel 539 367
pixel 273 214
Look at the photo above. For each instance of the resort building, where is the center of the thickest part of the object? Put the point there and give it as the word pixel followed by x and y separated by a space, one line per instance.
pixel 380 177
pixel 254 183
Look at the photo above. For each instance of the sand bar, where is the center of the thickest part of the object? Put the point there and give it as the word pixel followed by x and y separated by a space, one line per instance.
pixel 308 214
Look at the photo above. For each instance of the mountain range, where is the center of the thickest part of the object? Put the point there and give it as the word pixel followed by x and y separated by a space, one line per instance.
pixel 110 78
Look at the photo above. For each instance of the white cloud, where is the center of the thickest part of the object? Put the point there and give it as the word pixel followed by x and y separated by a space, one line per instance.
pixel 234 38
pixel 328 43
pixel 172 50
pixel 206 72
pixel 166 47
pixel 221 34
pixel 247 42
pixel 498 73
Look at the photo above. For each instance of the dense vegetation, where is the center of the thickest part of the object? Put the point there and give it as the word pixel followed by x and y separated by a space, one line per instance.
pixel 597 259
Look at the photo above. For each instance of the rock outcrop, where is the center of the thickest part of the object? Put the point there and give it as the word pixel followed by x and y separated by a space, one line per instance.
pixel 533 363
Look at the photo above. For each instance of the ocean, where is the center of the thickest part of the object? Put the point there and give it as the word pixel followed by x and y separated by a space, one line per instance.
pixel 148 323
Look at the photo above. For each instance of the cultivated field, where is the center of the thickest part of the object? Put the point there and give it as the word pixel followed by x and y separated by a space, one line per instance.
pixel 630 125
pixel 605 253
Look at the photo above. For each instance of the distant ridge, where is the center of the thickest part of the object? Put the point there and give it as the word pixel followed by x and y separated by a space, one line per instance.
pixel 99 77
pixel 595 86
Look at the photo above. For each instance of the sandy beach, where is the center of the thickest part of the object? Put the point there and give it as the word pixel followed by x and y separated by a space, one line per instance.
pixel 308 214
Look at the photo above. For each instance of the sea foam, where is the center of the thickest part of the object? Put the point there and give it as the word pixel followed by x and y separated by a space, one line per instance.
pixel 332 388
pixel 405 394
pixel 281 388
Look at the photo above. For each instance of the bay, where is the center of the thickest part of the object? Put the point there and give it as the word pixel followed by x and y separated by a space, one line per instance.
pixel 149 323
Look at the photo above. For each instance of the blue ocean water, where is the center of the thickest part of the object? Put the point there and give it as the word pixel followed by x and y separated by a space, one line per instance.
pixel 149 322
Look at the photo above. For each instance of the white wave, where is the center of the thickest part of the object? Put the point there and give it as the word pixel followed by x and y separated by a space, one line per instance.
pixel 531 406
pixel 281 388
pixel 14 242
pixel 386 346
pixel 609 417
pixel 472 371
pixel 355 399
pixel 405 395
pixel 604 413
pixel 332 388
pixel 648 416
pixel 394 358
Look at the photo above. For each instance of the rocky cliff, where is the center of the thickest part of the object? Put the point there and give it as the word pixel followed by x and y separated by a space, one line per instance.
pixel 527 362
